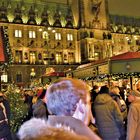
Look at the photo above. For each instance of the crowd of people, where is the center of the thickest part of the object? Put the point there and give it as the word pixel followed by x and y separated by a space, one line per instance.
pixel 67 109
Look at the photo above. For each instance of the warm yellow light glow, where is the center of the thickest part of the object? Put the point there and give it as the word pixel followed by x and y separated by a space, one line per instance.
pixel 69 37
pixel 4 78
pixel 96 54
pixel 53 31
pixel 32 34
pixel 18 33
pixel 135 37
pixel 40 29
pixel 49 28
pixel 45 35
pixel 58 36
pixel 25 19
pixel 38 20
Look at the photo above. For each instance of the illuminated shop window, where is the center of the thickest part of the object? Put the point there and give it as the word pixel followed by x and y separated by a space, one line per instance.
pixel 69 37
pixel 18 33
pixel 32 74
pixel 96 56
pixel 32 34
pixel 32 57
pixel 59 58
pixel 18 56
pixel 57 36
pixel 4 78
pixel 45 55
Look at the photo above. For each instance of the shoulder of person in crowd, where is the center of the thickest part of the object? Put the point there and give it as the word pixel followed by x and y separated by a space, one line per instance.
pixel 114 96
pixel 2 97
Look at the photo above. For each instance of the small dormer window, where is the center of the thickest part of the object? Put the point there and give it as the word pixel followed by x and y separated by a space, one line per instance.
pixel 32 34
pixel 69 37
pixel 57 36
pixel 18 33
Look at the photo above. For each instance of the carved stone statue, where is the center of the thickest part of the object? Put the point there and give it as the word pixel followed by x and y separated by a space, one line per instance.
pixel 96 8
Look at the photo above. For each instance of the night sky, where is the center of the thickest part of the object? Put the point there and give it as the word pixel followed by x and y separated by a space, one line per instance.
pixel 118 7
pixel 125 7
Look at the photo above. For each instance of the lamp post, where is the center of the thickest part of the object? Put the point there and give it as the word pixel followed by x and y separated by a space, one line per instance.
pixel 32 74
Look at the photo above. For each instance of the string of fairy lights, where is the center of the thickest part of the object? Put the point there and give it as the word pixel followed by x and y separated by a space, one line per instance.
pixel 113 76
pixel 7 49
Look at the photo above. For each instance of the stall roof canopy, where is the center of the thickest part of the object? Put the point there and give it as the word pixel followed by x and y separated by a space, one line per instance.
pixel 2 56
pixel 51 74
pixel 126 56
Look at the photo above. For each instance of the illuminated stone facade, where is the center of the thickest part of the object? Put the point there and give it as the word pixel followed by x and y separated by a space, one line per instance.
pixel 63 34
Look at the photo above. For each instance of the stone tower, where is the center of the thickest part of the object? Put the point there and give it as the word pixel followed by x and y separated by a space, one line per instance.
pixel 92 13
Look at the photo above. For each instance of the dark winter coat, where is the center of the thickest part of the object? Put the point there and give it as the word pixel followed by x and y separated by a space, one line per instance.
pixel 4 125
pixel 40 109
pixel 93 94
pixel 108 117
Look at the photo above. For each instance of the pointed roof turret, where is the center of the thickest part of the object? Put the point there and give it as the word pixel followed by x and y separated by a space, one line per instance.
pixel 32 16
pixel 3 13
pixel 18 15
pixel 57 18
pixel 69 18
pixel 44 17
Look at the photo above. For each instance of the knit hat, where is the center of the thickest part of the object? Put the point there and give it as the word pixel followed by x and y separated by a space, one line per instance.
pixel 104 89
pixel 39 92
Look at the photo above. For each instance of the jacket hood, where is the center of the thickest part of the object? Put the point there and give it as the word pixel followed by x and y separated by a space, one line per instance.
pixel 103 98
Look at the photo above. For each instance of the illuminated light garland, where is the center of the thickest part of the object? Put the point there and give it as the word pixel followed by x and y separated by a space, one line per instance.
pixel 7 46
pixel 7 49
pixel 114 76
pixel 18 108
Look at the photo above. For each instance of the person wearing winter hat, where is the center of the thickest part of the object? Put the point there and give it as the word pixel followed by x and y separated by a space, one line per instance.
pixel 133 125
pixel 104 89
pixel 40 92
pixel 40 108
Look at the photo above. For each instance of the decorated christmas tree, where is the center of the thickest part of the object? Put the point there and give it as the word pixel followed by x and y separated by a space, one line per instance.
pixel 18 107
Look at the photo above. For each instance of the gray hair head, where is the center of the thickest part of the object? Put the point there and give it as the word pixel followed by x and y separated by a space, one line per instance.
pixel 64 94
